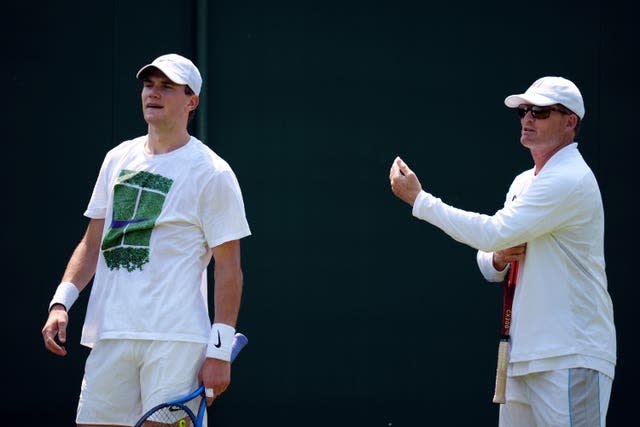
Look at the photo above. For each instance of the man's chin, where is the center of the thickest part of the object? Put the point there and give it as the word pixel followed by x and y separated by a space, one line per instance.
pixel 526 141
pixel 152 118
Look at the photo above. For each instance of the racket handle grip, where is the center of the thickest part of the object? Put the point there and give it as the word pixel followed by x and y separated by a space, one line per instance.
pixel 239 341
pixel 501 372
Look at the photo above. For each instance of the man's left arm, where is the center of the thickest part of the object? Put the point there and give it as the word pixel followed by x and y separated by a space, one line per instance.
pixel 216 370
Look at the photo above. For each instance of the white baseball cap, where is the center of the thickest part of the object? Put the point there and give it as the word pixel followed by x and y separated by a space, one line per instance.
pixel 178 69
pixel 548 91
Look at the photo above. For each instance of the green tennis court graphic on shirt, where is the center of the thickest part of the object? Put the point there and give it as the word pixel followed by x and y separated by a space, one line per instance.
pixel 138 198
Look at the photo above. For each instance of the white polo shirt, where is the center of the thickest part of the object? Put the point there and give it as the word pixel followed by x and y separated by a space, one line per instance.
pixel 562 312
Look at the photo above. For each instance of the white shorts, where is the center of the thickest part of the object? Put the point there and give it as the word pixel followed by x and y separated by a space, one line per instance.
pixel 576 397
pixel 125 378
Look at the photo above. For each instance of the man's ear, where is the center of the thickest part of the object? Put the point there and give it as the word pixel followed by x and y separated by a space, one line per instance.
pixel 572 122
pixel 194 102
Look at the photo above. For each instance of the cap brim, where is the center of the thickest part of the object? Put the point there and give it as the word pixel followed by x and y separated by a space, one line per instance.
pixel 170 75
pixel 514 101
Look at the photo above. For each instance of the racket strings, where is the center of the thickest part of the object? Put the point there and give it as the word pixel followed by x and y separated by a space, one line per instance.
pixel 170 416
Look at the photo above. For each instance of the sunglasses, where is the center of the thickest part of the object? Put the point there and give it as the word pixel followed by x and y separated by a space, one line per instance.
pixel 538 112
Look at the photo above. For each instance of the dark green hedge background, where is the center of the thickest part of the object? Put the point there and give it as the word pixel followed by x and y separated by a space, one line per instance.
pixel 357 313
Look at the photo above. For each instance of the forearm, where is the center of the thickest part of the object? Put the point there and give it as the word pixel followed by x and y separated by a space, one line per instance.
pixel 227 293
pixel 228 282
pixel 81 266
pixel 83 261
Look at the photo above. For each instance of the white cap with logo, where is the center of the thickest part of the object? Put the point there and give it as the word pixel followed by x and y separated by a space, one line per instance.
pixel 549 91
pixel 178 69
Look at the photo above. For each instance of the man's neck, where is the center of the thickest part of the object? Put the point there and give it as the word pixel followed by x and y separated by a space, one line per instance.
pixel 541 158
pixel 161 142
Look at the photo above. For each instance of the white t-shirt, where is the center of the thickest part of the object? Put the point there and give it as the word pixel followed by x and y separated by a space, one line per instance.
pixel 163 214
pixel 562 313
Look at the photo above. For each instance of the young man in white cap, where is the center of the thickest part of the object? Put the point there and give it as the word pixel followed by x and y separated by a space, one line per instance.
pixel 563 344
pixel 163 205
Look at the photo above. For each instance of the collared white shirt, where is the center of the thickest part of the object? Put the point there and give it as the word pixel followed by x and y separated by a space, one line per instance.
pixel 562 312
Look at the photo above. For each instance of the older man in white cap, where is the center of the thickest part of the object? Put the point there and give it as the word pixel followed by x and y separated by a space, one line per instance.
pixel 563 351
pixel 164 204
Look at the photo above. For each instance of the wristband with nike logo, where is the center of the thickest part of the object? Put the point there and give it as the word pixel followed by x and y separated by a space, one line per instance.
pixel 220 341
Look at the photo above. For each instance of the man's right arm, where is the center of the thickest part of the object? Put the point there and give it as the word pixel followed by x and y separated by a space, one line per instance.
pixel 79 271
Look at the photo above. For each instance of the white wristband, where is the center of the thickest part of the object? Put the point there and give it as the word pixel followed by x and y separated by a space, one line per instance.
pixel 66 294
pixel 220 341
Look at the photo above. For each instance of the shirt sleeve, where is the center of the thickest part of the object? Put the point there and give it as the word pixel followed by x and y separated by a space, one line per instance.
pixel 485 264
pixel 221 210
pixel 97 208
pixel 544 206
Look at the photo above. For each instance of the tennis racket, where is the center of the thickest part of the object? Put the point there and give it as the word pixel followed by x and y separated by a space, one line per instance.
pixel 509 287
pixel 181 412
